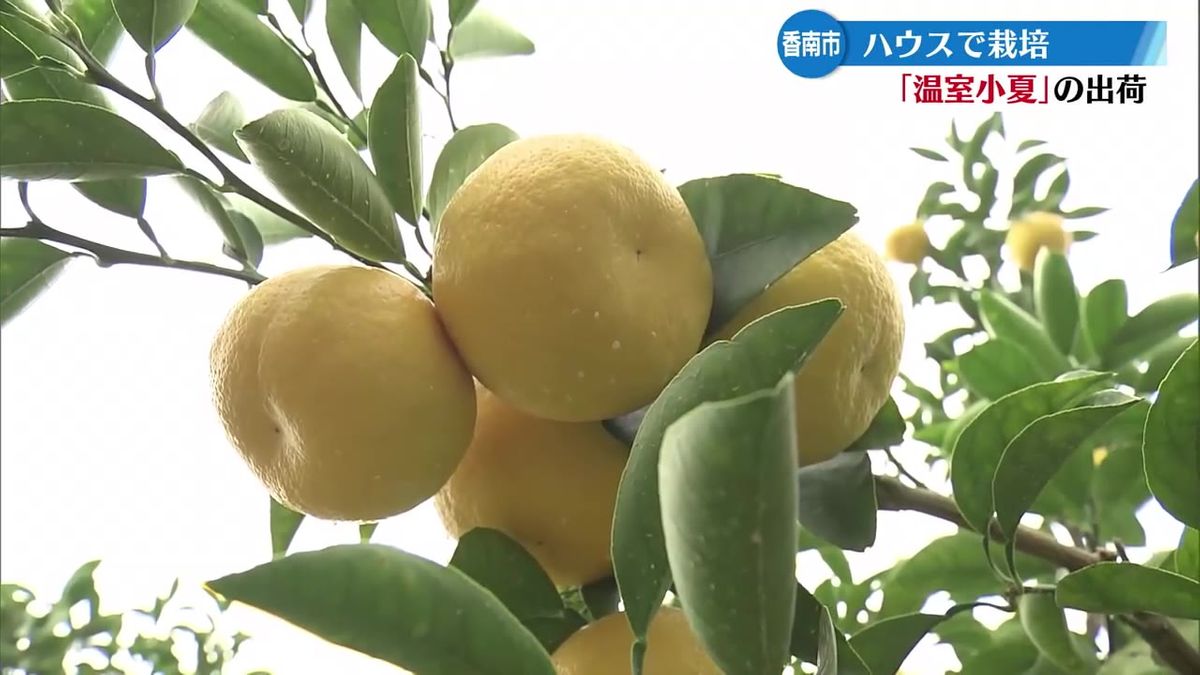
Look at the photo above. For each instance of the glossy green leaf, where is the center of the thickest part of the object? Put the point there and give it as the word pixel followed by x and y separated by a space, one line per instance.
pixel 344 26
pixel 1103 313
pixel 152 23
pixel 1186 559
pixel 394 606
pixel 218 122
pixel 837 500
pixel 1002 318
pixel 1185 228
pixel 954 564
pixel 757 357
pixel 883 646
pixel 124 196
pixel 502 566
pixel 98 24
pixel 483 34
pixel 1035 454
pixel 301 9
pixel 316 169
pixel 1116 588
pixel 400 25
pixel 50 139
pixel 235 32
pixel 1118 485
pixel 26 42
pixel 886 429
pixel 835 656
pixel 757 228
pixel 238 245
pixel 728 496
pixel 930 154
pixel 459 9
pixel 1009 651
pixel 1046 626
pixel 1160 359
pixel 250 239
pixel 272 228
pixel 27 267
pixel 806 620
pixel 981 444
pixel 284 524
pixel 1172 442
pixel 394 136
pixel 996 368
pixel 1056 299
pixel 1151 326
pixel 463 153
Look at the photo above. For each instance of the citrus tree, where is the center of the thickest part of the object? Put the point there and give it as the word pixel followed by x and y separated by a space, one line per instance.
pixel 633 403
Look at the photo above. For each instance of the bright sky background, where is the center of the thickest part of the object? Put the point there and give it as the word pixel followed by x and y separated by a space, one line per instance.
pixel 110 445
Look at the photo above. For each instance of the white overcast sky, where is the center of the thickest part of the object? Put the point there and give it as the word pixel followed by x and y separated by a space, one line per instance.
pixel 110 447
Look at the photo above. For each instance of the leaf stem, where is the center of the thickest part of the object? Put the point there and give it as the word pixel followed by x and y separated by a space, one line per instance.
pixel 1156 630
pixel 309 55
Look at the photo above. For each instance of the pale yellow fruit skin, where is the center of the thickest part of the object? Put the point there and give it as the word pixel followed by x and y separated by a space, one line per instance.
pixel 1034 232
pixel 549 485
pixel 571 277
pixel 848 377
pixel 907 243
pixel 340 389
pixel 603 648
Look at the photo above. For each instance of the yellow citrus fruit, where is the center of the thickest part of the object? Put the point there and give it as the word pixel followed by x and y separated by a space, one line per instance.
pixel 571 277
pixel 342 392
pixel 1034 232
pixel 907 243
pixel 549 485
pixel 848 377
pixel 602 648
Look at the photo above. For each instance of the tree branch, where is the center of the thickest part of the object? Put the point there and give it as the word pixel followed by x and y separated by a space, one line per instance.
pixel 1157 631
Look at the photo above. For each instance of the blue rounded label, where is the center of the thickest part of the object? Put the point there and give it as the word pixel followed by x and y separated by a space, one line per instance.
pixel 811 43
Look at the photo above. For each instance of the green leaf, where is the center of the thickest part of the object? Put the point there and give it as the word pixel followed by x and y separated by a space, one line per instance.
pixel 49 139
pixel 344 26
pixel 1160 359
pixel 728 499
pixel 237 245
pixel 1104 312
pixel 284 524
pixel 830 554
pixel 954 564
pixel 886 429
pixel 464 152
pixel 1025 145
pixel 1118 588
pixel 482 34
pixel 394 606
pixel 218 122
pixel 1046 626
pixel 98 23
pixel 81 586
pixel 1185 228
pixel 1085 212
pixel 1187 555
pixel 301 8
pixel 997 368
pixel 235 32
pixel 835 656
pixel 930 154
pixel 755 229
pixel 883 646
pixel 1004 319
pixel 1055 298
pixel 394 136
pixel 400 25
pixel 27 43
pixel 272 228
pixel 502 566
pixel 152 23
pixel 250 252
pixel 981 444
pixel 1118 486
pixel 316 169
pixel 757 357
pixel 27 267
pixel 1025 181
pixel 1151 326
pixel 1035 454
pixel 366 531
pixel 837 500
pixel 459 9
pixel 1172 442
pixel 124 196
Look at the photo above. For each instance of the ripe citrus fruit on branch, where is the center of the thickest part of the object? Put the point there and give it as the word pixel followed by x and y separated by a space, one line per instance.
pixel 848 377
pixel 603 648
pixel 1034 232
pixel 340 389
pixel 907 243
pixel 571 277
pixel 551 486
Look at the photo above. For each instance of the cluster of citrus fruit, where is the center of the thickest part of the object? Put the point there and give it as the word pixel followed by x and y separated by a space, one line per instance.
pixel 1026 237
pixel 570 285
